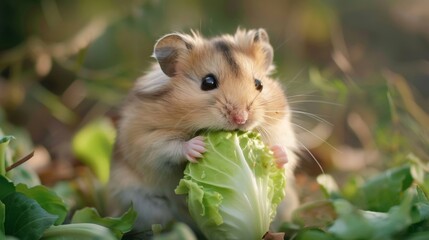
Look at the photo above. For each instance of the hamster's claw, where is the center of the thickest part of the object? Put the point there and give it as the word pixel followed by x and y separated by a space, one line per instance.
pixel 279 155
pixel 194 149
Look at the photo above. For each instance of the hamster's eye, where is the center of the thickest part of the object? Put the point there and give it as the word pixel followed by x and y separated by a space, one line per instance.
pixel 209 82
pixel 258 85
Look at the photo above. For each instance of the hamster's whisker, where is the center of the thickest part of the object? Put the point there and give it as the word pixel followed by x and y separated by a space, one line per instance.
pixel 267 101
pixel 283 43
pixel 276 111
pixel 316 136
pixel 312 155
pixel 271 117
pixel 316 101
pixel 264 131
pixel 301 96
pixel 313 116
pixel 307 114
pixel 271 111
pixel 297 75
pixel 253 100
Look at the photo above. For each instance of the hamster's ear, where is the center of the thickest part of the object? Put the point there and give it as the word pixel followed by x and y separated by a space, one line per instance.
pixel 167 51
pixel 261 38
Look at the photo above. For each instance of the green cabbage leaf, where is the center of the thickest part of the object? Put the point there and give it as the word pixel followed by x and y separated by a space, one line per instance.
pixel 234 190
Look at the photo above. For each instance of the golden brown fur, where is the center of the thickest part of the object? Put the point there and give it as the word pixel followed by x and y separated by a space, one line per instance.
pixel 167 107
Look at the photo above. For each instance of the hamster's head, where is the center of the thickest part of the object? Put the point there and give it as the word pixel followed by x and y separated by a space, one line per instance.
pixel 223 82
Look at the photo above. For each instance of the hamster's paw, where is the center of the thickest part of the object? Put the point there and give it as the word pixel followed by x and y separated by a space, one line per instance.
pixel 194 148
pixel 280 155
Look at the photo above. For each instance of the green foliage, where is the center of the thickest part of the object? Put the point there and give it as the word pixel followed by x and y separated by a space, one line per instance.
pixel 311 233
pixel 2 218
pixel 7 187
pixel 385 190
pixel 83 231
pixel 93 146
pixel 37 212
pixel 24 175
pixel 4 142
pixel 20 174
pixel 405 214
pixel 25 218
pixel 118 226
pixel 179 231
pixel 47 199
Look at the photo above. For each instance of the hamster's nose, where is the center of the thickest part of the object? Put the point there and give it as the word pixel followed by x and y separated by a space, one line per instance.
pixel 239 117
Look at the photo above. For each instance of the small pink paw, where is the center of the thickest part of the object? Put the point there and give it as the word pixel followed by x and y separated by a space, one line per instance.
pixel 194 148
pixel 280 155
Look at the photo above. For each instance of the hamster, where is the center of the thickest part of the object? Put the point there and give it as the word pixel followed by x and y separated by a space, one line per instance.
pixel 197 83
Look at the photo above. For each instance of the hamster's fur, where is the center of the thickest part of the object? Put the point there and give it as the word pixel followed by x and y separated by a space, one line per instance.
pixel 197 83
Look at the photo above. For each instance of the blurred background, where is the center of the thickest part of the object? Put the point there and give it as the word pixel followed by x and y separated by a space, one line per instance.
pixel 356 74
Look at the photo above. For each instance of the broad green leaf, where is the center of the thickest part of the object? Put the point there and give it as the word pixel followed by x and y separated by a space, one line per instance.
pixel 4 142
pixel 289 228
pixel 425 185
pixel 5 139
pixel 119 225
pixel 19 174
pixel 47 199
pixel 2 217
pixel 313 234
pixel 420 210
pixel 355 224
pixel 6 187
pixel 24 175
pixel 78 231
pixel 421 195
pixel 25 218
pixel 351 224
pixel 11 238
pixel 385 190
pixel 67 191
pixel 93 145
pixel 180 231
pixel 398 219
pixel 419 236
